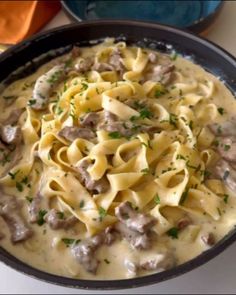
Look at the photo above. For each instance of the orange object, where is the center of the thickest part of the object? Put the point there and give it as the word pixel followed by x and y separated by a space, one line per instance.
pixel 20 19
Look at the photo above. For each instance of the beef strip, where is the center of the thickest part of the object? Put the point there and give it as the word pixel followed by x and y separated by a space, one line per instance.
pixel 152 57
pixel 44 86
pixel 165 261
pixel 136 239
pixel 162 73
pixel 227 128
pixel 183 223
pixel 135 221
pixel 72 133
pixel 84 65
pixel 116 60
pixel 209 239
pixel 125 128
pixel 84 253
pixel 95 186
pixel 55 222
pixel 102 67
pixel 226 146
pixel 90 120
pixel 10 212
pixel 35 207
pixel 10 134
pixel 224 171
pixel 13 117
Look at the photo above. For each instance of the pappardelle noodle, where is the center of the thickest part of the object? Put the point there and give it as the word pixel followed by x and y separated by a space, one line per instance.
pixel 116 162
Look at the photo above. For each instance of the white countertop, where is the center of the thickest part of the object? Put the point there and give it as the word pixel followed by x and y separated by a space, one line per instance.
pixel 217 276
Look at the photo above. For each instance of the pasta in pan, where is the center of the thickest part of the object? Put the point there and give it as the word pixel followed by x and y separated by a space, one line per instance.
pixel 116 156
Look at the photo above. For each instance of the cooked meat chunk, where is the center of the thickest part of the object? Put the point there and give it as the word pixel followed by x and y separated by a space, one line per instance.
pixel 84 253
pixel 72 133
pixel 161 73
pixel 96 186
pixel 227 128
pixel 135 221
pixel 116 60
pixel 84 65
pixel 109 235
pixel 152 57
pixel 55 222
pixel 35 207
pixel 10 212
pixel 224 171
pixel 90 120
pixel 183 223
pixel 44 86
pixel 209 239
pixel 13 117
pixel 136 239
pixel 102 67
pixel 10 134
pixel 226 146
pixel 160 262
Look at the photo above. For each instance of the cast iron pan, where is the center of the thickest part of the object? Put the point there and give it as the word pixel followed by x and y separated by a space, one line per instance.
pixel 205 53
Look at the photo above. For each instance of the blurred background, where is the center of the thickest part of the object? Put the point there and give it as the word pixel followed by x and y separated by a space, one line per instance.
pixel 214 20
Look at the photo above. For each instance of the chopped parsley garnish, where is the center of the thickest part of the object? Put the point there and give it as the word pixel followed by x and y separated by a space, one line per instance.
pixel 216 143
pixel 174 55
pixel 107 261
pixel 41 214
pixel 31 102
pixel 190 125
pixel 13 175
pixel 145 113
pixel 173 119
pixel 25 180
pixel 19 187
pixel 114 134
pixel 173 233
pixel 221 111
pixel 59 110
pixel 85 86
pixel 218 209
pixel 145 170
pixel 102 213
pixel 29 199
pixel 219 130
pixel 55 77
pixel 157 199
pixel 180 157
pixel 60 215
pixel 147 145
pixel 81 204
pixel 159 93
pixel 184 197
pixel 70 242
pixel 227 147
pixel 226 197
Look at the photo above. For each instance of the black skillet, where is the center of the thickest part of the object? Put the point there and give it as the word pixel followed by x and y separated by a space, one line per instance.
pixel 164 38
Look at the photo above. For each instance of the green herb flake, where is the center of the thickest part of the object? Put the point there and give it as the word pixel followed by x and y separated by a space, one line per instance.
pixel 19 187
pixel 180 157
pixel 157 199
pixel 29 199
pixel 226 197
pixel 81 204
pixel 13 175
pixel 145 113
pixel 218 209
pixel 107 261
pixel 68 242
pixel 60 215
pixel 221 111
pixel 184 197
pixel 173 119
pixel 85 86
pixel 31 102
pixel 25 180
pixel 173 233
pixel 159 93
pixel 102 213
pixel 227 147
pixel 114 134
pixel 145 170
pixel 41 214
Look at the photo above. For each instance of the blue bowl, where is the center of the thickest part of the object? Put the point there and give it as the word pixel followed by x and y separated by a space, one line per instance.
pixel 193 15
